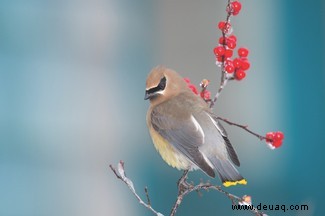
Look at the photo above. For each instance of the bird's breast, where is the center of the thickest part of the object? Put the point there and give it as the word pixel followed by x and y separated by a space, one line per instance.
pixel 169 154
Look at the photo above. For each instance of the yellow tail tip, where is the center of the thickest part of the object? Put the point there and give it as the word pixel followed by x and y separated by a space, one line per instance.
pixel 232 183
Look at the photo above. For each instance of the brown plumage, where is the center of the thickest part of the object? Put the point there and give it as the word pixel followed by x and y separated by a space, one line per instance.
pixel 185 131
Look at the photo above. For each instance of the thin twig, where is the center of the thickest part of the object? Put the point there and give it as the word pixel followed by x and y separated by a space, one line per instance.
pixel 177 203
pixel 224 78
pixel 120 174
pixel 147 195
pixel 245 127
pixel 222 85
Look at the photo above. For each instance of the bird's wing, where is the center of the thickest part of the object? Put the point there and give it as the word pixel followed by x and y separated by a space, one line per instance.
pixel 183 131
pixel 231 151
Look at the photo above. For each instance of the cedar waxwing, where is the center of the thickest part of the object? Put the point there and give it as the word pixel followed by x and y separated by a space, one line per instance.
pixel 185 131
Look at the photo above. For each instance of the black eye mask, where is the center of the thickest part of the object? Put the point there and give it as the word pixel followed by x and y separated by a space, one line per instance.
pixel 161 86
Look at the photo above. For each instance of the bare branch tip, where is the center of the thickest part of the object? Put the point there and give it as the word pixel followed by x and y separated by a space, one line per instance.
pixel 147 195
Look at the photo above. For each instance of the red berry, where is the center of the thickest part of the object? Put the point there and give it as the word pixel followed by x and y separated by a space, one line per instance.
pixel 232 37
pixel 245 65
pixel 278 136
pixel 236 7
pixel 269 137
pixel 187 80
pixel 237 63
pixel 228 53
pixel 193 88
pixel 240 74
pixel 222 40
pixel 235 13
pixel 221 25
pixel 224 26
pixel 230 68
pixel 205 95
pixel 219 58
pixel 243 52
pixel 277 143
pixel 231 44
pixel 219 51
pixel 228 62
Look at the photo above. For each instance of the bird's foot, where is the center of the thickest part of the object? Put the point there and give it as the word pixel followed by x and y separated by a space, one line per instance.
pixel 182 183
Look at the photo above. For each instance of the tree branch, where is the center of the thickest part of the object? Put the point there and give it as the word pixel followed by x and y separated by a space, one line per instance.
pixel 184 188
pixel 224 78
pixel 120 174
pixel 222 85
pixel 245 127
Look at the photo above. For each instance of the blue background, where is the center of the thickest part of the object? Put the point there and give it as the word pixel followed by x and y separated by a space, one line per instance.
pixel 72 77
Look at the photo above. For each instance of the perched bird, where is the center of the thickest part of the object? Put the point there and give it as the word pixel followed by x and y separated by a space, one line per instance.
pixel 185 131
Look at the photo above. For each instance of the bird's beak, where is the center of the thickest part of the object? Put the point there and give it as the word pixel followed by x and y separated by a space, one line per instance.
pixel 147 95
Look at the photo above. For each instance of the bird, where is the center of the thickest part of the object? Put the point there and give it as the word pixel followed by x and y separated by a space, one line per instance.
pixel 185 131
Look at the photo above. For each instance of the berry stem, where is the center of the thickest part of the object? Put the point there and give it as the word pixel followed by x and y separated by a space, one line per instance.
pixel 222 85
pixel 245 127
pixel 224 79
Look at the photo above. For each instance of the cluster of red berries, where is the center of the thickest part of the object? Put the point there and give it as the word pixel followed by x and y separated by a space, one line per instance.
pixel 205 94
pixel 235 68
pixel 274 139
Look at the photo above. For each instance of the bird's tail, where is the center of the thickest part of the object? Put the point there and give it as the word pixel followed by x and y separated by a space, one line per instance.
pixel 227 172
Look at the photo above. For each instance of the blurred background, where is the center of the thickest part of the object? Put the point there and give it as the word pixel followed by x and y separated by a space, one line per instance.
pixel 72 81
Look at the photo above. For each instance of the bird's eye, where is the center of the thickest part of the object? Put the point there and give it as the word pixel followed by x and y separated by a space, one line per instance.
pixel 160 87
pixel 162 83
